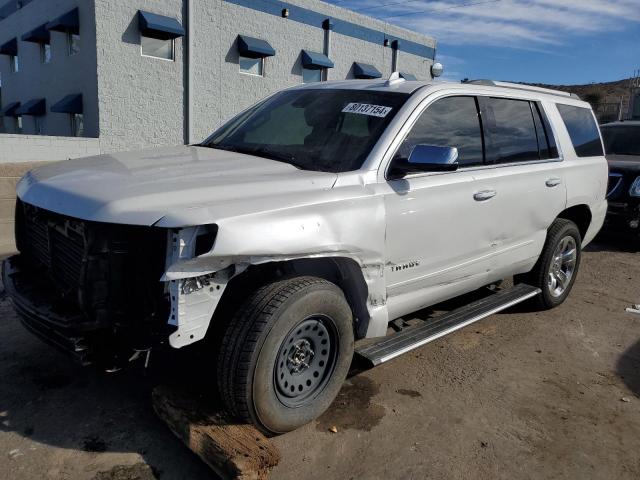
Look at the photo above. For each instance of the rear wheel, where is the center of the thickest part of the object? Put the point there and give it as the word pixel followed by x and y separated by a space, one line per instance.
pixel 557 268
pixel 286 354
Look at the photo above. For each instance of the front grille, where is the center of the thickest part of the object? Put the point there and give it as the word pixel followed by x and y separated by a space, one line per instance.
pixel 55 243
pixel 108 272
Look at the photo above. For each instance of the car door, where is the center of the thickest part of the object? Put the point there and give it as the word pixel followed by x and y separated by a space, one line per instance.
pixel 526 178
pixel 438 239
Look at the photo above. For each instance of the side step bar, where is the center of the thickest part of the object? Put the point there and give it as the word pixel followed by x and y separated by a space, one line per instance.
pixel 409 338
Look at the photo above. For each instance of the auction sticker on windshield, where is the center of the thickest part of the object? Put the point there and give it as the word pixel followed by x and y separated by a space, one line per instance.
pixel 366 109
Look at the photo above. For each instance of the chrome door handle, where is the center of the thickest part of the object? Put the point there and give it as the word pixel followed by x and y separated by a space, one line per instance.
pixel 484 195
pixel 553 182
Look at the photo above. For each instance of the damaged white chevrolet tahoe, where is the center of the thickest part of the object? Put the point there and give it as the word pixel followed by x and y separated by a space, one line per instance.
pixel 306 227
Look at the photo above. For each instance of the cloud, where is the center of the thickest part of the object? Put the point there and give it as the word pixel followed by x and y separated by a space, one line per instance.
pixel 522 24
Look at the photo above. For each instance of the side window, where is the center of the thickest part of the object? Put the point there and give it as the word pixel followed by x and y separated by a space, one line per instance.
pixel 546 140
pixel 510 130
pixel 582 129
pixel 449 122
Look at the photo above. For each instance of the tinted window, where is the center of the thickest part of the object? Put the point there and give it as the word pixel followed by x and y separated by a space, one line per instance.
pixel 622 140
pixel 582 130
pixel 546 140
pixel 510 130
pixel 449 122
pixel 321 130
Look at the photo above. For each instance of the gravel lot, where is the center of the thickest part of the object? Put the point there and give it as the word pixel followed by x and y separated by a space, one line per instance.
pixel 518 395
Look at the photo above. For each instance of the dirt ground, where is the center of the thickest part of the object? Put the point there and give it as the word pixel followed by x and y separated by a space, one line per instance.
pixel 553 395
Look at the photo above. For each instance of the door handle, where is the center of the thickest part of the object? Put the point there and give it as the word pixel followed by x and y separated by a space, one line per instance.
pixel 553 182
pixel 484 195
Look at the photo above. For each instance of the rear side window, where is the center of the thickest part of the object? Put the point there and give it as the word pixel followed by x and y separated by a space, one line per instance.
pixel 510 130
pixel 582 129
pixel 449 122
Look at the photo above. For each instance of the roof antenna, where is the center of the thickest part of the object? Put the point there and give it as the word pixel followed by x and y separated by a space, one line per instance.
pixel 393 79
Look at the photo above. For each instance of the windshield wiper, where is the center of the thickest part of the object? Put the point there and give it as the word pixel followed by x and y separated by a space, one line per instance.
pixel 264 152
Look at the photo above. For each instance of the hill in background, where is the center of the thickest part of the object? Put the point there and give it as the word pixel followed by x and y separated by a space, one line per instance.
pixel 605 98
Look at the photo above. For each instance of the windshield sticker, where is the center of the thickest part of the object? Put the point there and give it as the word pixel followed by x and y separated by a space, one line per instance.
pixel 366 109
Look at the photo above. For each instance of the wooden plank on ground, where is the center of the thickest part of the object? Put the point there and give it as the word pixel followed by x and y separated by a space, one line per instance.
pixel 232 450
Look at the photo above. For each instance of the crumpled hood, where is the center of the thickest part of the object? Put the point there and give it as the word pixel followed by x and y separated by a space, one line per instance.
pixel 170 184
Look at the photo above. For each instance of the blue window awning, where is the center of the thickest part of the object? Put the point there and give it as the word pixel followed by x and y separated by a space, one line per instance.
pixel 38 35
pixel 364 70
pixel 34 108
pixel 10 110
pixel 69 22
pixel 408 76
pixel 10 48
pixel 315 61
pixel 254 47
pixel 69 104
pixel 157 26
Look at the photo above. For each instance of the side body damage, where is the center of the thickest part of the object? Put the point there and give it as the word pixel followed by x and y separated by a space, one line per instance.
pixel 318 239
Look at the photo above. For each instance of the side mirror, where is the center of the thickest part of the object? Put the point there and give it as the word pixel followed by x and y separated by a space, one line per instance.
pixel 426 158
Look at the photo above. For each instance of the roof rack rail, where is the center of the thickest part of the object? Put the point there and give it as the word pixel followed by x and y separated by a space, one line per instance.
pixel 520 86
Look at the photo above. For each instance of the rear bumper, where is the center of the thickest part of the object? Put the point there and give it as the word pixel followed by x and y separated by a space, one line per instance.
pixel 40 318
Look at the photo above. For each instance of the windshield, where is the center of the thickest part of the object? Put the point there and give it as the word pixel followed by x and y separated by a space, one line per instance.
pixel 321 130
pixel 624 140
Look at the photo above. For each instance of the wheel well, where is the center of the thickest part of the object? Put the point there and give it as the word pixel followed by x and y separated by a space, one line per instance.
pixel 344 272
pixel 580 215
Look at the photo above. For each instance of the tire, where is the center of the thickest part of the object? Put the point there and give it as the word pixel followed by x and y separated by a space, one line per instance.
pixel 281 387
pixel 555 283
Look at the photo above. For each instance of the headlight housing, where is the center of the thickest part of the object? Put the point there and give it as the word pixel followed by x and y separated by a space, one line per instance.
pixel 634 191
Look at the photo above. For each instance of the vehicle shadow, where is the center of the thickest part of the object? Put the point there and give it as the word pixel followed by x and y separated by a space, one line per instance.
pixel 49 400
pixel 615 241
pixel 628 368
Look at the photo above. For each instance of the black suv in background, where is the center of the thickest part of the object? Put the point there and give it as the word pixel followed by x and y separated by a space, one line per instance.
pixel 622 145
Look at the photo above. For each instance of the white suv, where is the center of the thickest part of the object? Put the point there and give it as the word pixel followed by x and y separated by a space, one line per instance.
pixel 306 226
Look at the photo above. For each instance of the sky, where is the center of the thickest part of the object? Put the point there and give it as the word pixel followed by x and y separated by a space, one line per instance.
pixel 561 42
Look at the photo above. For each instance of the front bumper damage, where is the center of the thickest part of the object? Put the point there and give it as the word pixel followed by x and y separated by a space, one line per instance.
pixel 58 326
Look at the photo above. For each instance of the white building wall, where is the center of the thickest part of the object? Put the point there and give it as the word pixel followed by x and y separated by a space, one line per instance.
pixel 132 101
pixel 65 75
pixel 39 148
pixel 141 99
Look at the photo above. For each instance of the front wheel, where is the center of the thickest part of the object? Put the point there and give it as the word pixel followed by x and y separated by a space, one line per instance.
pixel 557 268
pixel 286 354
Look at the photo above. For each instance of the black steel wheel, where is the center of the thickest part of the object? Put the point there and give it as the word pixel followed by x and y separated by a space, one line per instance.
pixel 286 353
pixel 306 360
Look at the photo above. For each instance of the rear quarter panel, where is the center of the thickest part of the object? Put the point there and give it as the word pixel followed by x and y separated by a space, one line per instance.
pixel 586 177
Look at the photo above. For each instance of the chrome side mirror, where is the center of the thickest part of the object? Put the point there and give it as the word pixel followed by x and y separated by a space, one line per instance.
pixel 431 158
pixel 425 158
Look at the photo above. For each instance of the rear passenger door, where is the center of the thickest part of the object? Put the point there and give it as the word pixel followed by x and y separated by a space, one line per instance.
pixel 526 178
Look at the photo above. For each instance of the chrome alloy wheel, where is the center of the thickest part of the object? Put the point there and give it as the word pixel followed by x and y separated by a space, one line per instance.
pixel 563 266
pixel 306 360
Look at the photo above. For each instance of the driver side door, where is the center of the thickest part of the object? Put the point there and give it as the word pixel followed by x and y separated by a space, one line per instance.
pixel 439 225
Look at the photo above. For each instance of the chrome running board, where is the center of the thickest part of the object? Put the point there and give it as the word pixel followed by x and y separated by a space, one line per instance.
pixel 410 338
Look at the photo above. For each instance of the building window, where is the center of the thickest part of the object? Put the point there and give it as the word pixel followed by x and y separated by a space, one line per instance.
pixel 45 53
pixel 15 63
pixel 73 42
pixel 77 125
pixel 39 125
pixel 18 124
pixel 158 48
pixel 311 75
pixel 252 66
